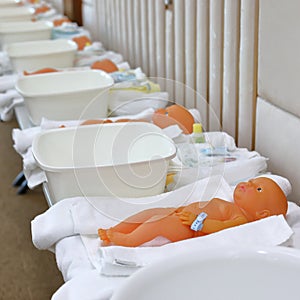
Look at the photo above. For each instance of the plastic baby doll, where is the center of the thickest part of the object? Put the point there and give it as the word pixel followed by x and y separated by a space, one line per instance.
pixel 82 41
pixel 253 200
pixel 174 115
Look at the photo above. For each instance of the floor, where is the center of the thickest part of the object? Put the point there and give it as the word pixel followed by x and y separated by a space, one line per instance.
pixel 25 272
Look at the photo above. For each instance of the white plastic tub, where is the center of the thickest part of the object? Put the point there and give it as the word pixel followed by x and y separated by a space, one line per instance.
pixel 120 159
pixel 9 3
pixel 9 14
pixel 13 32
pixel 34 55
pixel 67 95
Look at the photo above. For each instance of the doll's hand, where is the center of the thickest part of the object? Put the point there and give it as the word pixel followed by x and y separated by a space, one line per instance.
pixel 186 217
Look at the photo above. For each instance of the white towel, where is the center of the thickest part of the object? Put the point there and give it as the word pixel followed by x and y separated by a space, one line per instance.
pixel 6 98
pixel 51 124
pixel 215 139
pixel 220 139
pixel 23 138
pixel 22 144
pixel 86 60
pixel 5 68
pixel 233 172
pixel 71 257
pixel 34 176
pixel 53 225
pixel 29 162
pixel 293 219
pixel 145 114
pixel 89 286
pixel 123 66
pixel 270 231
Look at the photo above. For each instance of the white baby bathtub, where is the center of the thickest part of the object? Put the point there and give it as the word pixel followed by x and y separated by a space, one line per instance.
pixel 34 55
pixel 67 95
pixel 9 14
pixel 13 32
pixel 9 3
pixel 120 159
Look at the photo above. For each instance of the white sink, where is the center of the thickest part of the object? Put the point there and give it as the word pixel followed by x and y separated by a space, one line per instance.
pixel 227 274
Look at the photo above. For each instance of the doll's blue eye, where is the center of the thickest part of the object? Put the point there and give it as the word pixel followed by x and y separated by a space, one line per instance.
pixel 259 189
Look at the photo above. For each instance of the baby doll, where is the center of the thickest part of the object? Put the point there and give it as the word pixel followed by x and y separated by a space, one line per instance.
pixel 174 115
pixel 253 200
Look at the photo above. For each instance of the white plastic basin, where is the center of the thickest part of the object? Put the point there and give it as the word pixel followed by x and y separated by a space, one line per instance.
pixel 9 3
pixel 13 32
pixel 9 14
pixel 68 95
pixel 227 274
pixel 34 55
pixel 120 159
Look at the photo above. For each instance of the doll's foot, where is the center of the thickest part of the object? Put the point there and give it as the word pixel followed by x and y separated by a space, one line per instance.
pixel 117 238
pixel 103 236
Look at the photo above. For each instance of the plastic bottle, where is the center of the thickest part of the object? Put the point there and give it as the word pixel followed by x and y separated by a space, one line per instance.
pixel 197 135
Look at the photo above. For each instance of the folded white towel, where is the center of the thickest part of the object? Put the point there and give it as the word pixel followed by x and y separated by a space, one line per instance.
pixel 53 225
pixel 32 172
pixel 233 172
pixel 8 111
pixel 34 177
pixel 215 139
pixel 124 65
pixel 88 285
pixel 5 68
pixel 7 82
pixel 220 139
pixel 7 97
pixel 29 162
pixel 51 124
pixel 87 60
pixel 270 231
pixel 23 138
pixel 22 144
pixel 196 115
pixel 71 257
pixel 145 114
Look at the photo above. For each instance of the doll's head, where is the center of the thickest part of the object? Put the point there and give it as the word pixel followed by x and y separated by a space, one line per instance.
pixel 82 41
pixel 60 21
pixel 105 65
pixel 174 115
pixel 260 197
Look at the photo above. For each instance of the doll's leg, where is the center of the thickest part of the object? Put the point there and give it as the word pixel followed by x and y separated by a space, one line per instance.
pixel 134 221
pixel 169 227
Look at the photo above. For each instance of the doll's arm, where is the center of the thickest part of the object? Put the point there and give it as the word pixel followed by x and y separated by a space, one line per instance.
pixel 187 217
pixel 211 225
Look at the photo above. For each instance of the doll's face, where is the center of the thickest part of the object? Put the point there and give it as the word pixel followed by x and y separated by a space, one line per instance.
pixel 260 197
